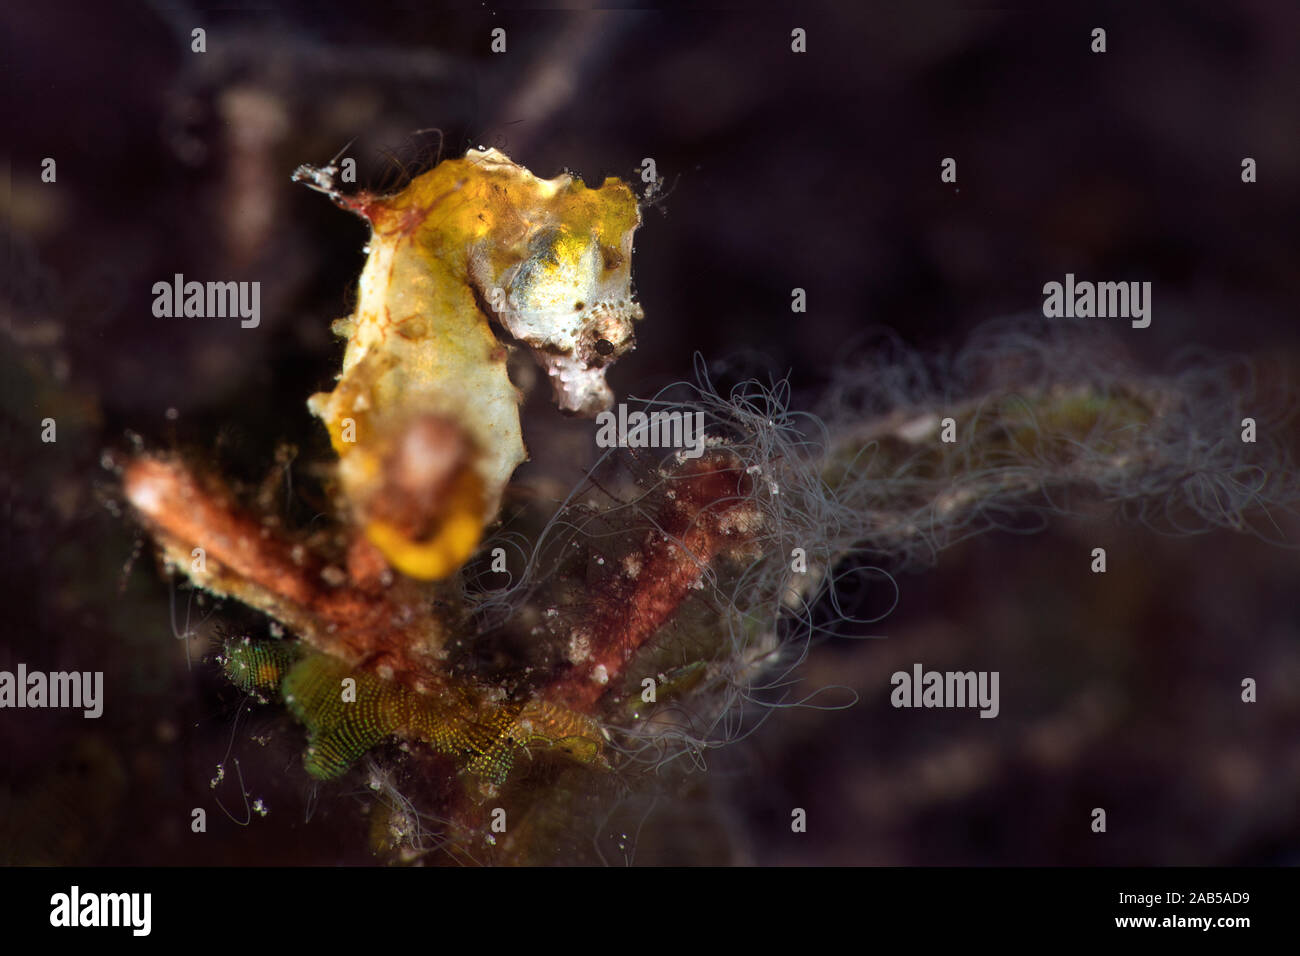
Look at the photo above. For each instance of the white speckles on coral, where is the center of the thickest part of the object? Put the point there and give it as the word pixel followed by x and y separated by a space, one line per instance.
pixel 579 647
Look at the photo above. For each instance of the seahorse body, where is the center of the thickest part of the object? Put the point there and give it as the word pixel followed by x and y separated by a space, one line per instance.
pixel 424 416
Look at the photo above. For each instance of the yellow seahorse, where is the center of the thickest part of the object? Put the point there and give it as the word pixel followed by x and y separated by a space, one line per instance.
pixel 424 417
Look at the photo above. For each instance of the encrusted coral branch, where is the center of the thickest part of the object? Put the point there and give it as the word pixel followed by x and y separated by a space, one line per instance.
pixel 708 509
pixel 385 639
pixel 392 630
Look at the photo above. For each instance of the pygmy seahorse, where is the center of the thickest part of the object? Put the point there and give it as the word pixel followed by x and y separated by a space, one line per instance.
pixel 424 417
